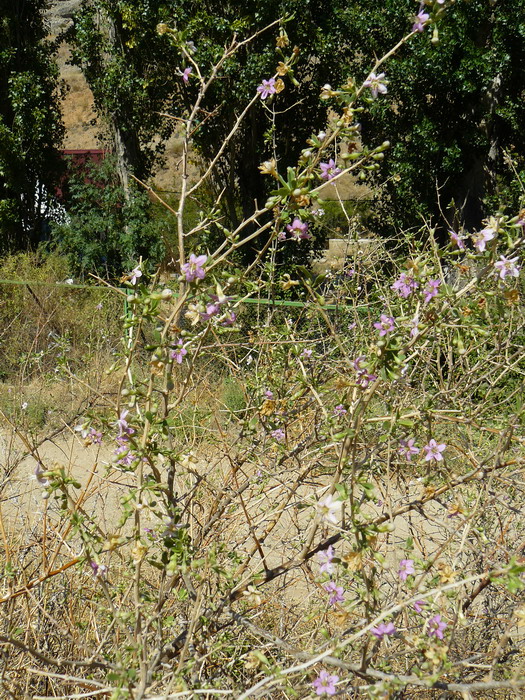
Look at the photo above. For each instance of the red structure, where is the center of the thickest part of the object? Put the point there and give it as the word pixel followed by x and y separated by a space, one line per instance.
pixel 77 160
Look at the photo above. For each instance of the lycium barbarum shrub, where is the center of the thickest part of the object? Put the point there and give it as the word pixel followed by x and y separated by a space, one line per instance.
pixel 355 529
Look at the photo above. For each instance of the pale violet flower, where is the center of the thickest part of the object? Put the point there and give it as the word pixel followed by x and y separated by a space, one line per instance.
pixel 329 170
pixel 436 627
pixel 481 239
pixel 278 434
pixel 339 410
pixel 404 285
pixel 419 605
pixel 298 230
pixel 406 569
pixel 457 240
pixel 507 266
pixel 193 269
pixel 407 449
pixel 336 593
pixel 178 352
pixel 431 290
pixel 385 325
pixel 433 451
pixel 267 87
pixel 324 684
pixel 99 570
pixel 383 629
pixel 377 84
pixel 122 424
pixel 38 475
pixel 135 274
pixel 185 75
pixel 325 559
pixel 420 20
pixel 329 508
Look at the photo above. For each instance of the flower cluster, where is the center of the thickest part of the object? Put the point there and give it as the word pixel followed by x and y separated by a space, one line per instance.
pixel 407 449
pixel 123 454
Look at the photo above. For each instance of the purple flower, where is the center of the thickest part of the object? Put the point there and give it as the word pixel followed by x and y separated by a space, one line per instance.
pixel 306 354
pixel 420 20
pixel 135 274
pixel 507 266
pixel 436 627
pixel 433 451
pixel 339 410
pixel 414 331
pixel 419 605
pixel 94 436
pixel 383 629
pixel 360 364
pixel 39 476
pixel 229 318
pixel 336 592
pixel 406 568
pixel 266 88
pixel 407 449
pixel 404 285
pixel 185 75
pixel 122 424
pixel 178 353
pixel 457 239
pixel 211 310
pixel 325 558
pixel 385 325
pixel 431 290
pixel 363 376
pixel 481 239
pixel 324 684
pixel 193 270
pixel 278 434
pixel 364 379
pixel 99 570
pixel 268 394
pixel 281 236
pixel 377 84
pixel 329 170
pixel 298 230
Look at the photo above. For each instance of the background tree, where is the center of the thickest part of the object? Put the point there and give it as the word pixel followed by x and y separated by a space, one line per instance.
pixel 453 109
pixel 30 123
pixel 132 74
pixel 135 75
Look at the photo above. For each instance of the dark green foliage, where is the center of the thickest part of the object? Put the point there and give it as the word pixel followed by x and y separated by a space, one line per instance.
pixel 131 72
pixel 106 234
pixel 135 73
pixel 30 126
pixel 452 108
pixel 317 31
